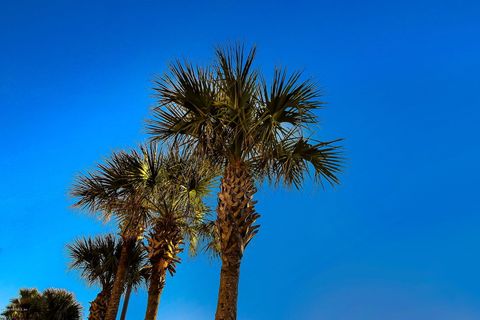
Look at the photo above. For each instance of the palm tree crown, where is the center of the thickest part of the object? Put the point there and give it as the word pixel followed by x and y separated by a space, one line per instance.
pixel 97 259
pixel 230 113
pixel 52 304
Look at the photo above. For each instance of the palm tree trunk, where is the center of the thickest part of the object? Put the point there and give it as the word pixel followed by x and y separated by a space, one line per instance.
pixel 98 307
pixel 236 218
pixel 228 291
pixel 125 302
pixel 119 282
pixel 156 284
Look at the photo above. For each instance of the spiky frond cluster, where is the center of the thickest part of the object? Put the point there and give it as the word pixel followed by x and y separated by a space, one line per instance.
pixel 97 260
pixel 54 304
pixel 229 112
pixel 29 305
pixel 108 191
pixel 60 304
pixel 141 186
pixel 177 182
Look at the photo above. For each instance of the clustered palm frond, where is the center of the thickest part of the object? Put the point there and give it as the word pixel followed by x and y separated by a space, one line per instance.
pixel 229 112
pixel 150 191
pixel 108 191
pixel 52 304
pixel 96 259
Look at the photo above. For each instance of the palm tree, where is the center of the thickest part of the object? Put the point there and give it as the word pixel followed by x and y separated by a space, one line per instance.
pixel 53 304
pixel 173 186
pixel 28 305
pixel 97 259
pixel 145 186
pixel 106 192
pixel 60 305
pixel 253 130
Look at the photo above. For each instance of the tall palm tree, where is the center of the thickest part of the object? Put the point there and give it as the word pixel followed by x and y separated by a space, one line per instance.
pixel 52 304
pixel 254 130
pixel 104 191
pixel 97 259
pixel 173 185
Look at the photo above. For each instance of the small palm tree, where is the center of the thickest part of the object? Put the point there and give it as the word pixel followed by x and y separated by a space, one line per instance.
pixel 53 304
pixel 105 191
pixel 97 259
pixel 29 305
pixel 173 186
pixel 253 130
pixel 60 305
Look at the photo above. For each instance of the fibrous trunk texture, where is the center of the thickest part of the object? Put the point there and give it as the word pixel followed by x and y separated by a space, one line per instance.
pixel 120 275
pixel 235 224
pixel 164 245
pixel 155 287
pixel 98 307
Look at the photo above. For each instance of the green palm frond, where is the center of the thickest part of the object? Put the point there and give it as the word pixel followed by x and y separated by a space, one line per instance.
pixel 60 304
pixel 295 157
pixel 228 112
pixel 97 260
pixel 187 95
pixel 55 304
pixel 104 190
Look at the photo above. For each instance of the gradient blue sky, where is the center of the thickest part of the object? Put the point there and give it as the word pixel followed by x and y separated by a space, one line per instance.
pixel 397 240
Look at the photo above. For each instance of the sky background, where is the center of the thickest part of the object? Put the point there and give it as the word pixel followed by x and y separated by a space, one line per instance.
pixel 398 239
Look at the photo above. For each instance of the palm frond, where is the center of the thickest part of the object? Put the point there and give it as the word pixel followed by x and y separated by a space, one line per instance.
pixel 96 258
pixel 234 114
pixel 293 158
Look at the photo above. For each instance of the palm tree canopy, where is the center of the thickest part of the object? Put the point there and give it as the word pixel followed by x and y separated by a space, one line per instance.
pixel 97 260
pixel 174 184
pixel 108 191
pixel 229 112
pixel 28 305
pixel 53 304
pixel 60 305
pixel 148 184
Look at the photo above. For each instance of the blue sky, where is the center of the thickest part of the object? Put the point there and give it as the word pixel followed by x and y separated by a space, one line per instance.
pixel 397 240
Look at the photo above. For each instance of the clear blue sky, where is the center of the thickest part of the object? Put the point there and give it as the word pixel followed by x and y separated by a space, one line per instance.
pixel 399 239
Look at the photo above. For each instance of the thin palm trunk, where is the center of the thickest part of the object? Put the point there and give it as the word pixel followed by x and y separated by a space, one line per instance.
pixel 98 307
pixel 120 276
pixel 236 218
pixel 125 302
pixel 156 284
